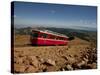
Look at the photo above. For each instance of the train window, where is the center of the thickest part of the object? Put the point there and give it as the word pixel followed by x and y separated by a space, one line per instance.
pixel 41 35
pixel 60 38
pixel 34 34
pixel 57 38
pixel 44 35
pixel 52 37
pixel 48 36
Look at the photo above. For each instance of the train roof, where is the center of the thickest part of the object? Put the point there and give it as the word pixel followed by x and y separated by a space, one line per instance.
pixel 50 32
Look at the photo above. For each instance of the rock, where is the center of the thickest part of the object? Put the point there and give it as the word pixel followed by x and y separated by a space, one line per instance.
pixel 51 68
pixel 50 62
pixel 87 56
pixel 70 55
pixel 42 67
pixel 41 60
pixel 31 58
pixel 31 69
pixel 44 70
pixel 33 61
pixel 21 53
pixel 64 58
pixel 74 65
pixel 62 69
pixel 69 67
pixel 75 56
pixel 86 60
pixel 26 62
pixel 81 63
pixel 18 68
pixel 71 60
pixel 94 49
pixel 18 60
pixel 93 65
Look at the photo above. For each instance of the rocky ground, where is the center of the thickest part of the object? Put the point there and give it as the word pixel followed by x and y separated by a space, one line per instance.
pixel 77 55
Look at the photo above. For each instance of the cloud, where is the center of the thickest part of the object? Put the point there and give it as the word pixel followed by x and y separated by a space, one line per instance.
pixel 53 11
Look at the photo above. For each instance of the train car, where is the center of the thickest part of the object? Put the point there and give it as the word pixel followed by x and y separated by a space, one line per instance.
pixel 47 38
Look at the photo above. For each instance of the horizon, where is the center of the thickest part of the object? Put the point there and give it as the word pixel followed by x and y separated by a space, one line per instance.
pixel 86 29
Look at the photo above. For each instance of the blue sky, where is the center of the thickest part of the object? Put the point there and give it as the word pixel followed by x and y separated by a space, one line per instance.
pixel 55 15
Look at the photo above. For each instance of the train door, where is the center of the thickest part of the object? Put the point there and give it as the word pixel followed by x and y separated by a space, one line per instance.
pixel 45 37
pixel 34 36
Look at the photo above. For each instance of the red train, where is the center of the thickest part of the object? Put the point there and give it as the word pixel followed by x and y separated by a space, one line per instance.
pixel 46 37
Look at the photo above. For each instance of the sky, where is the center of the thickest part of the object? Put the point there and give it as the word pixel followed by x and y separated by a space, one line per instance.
pixel 54 15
